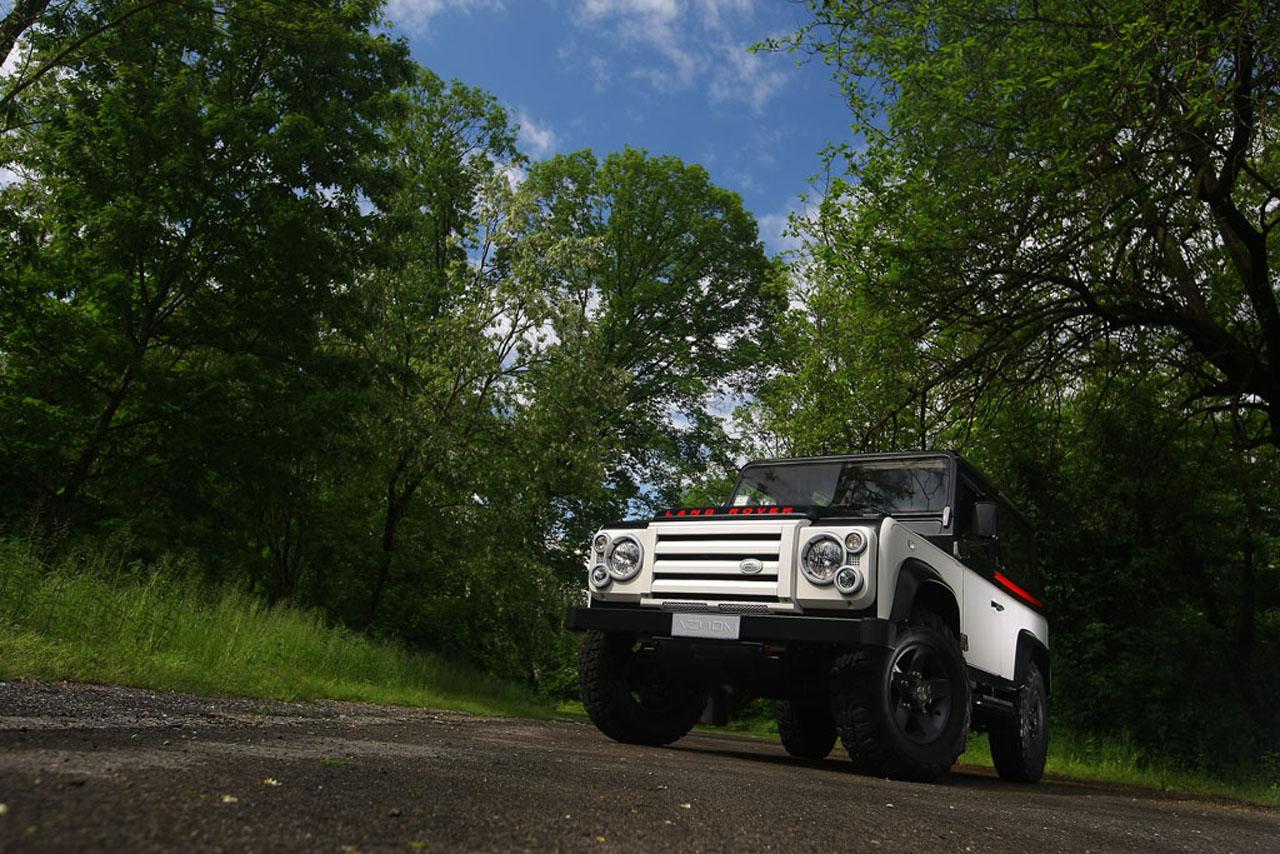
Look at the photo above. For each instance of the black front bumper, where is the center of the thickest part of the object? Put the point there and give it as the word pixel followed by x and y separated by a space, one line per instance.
pixel 651 622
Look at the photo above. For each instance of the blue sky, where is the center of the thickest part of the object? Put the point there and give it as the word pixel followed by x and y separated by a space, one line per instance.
pixel 669 76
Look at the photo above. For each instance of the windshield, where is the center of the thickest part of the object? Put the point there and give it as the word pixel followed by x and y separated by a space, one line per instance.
pixel 877 486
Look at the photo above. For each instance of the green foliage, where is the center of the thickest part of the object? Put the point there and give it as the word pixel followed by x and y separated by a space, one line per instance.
pixel 96 618
pixel 275 296
pixel 189 213
pixel 1155 537
pixel 1032 179
pixel 839 344
pixel 441 325
pixel 1161 571
pixel 662 302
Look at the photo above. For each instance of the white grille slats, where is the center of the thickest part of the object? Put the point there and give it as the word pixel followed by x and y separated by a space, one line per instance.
pixel 702 561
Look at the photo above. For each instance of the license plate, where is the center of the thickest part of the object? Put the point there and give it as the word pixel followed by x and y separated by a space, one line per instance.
pixel 717 626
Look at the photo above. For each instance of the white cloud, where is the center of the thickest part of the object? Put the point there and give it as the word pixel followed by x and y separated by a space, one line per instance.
pixel 655 24
pixel 539 139
pixel 688 43
pixel 666 9
pixel 415 15
pixel 515 175
pixel 773 231
pixel 743 76
pixel 719 14
pixel 601 73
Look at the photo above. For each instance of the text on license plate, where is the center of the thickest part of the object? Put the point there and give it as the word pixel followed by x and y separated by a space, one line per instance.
pixel 705 626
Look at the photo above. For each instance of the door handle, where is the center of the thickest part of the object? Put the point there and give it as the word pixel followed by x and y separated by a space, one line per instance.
pixel 996 605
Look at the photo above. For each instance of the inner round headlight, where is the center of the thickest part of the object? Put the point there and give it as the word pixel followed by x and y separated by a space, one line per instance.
pixel 848 580
pixel 624 558
pixel 600 577
pixel 855 542
pixel 822 557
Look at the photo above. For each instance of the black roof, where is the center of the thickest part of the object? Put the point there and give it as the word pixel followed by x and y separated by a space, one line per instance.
pixel 875 455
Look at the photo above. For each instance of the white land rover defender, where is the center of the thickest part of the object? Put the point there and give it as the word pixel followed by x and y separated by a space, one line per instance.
pixel 890 599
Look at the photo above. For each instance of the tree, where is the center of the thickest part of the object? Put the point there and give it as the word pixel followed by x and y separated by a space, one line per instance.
pixel 646 291
pixel 660 299
pixel 442 325
pixel 841 379
pixel 187 223
pixel 1038 176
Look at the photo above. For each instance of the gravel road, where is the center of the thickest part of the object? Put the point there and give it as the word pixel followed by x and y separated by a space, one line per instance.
pixel 101 768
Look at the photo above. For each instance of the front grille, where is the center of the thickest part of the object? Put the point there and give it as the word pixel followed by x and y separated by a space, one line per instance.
pixel 685 606
pixel 706 564
pixel 742 608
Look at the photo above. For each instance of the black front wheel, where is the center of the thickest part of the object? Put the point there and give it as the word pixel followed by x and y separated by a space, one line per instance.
pixel 905 714
pixel 1020 746
pixel 806 727
pixel 628 696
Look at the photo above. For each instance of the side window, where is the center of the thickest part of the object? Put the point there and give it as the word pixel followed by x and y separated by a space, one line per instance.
pixel 1017 551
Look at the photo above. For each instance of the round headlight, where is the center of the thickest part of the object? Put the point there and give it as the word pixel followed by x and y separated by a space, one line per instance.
pixel 848 580
pixel 624 558
pixel 600 577
pixel 855 542
pixel 601 540
pixel 822 557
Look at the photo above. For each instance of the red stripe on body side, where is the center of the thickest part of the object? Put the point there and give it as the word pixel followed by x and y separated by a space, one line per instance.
pixel 1017 591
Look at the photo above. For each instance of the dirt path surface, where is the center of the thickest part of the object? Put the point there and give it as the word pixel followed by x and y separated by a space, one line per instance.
pixel 99 768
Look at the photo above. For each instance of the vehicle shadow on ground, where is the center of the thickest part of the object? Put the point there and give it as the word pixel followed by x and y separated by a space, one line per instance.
pixel 965 777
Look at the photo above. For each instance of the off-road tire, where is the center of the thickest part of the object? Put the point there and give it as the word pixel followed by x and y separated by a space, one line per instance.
pixel 654 713
pixel 863 707
pixel 1019 747
pixel 808 731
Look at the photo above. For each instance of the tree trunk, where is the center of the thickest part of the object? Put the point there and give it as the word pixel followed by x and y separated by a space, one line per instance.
pixel 63 498
pixel 380 585
pixel 284 545
pixel 89 454
pixel 1247 605
pixel 1246 625
pixel 397 505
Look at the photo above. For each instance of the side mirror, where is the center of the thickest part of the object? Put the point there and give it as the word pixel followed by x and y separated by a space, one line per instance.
pixel 985 514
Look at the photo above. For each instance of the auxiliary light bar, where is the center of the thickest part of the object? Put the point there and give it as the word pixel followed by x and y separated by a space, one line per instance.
pixel 685 512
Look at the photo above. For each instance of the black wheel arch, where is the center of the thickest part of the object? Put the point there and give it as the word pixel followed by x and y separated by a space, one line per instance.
pixel 920 584
pixel 1031 650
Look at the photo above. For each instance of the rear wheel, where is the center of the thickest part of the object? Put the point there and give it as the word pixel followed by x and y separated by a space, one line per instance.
pixel 808 731
pixel 904 714
pixel 1019 747
pixel 628 696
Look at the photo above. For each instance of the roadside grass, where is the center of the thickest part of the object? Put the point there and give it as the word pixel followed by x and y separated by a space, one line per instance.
pixel 94 619
pixel 1116 761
